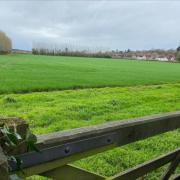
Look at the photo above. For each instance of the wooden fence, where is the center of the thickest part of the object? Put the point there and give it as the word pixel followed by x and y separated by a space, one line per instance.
pixel 61 148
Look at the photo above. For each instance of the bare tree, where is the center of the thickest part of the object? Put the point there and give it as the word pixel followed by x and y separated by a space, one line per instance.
pixel 5 43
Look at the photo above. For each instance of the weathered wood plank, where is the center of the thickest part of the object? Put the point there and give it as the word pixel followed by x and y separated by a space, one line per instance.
pixel 146 167
pixel 3 166
pixel 65 150
pixel 172 167
pixel 86 139
pixel 71 172
pixel 176 177
pixel 129 130
pixel 43 167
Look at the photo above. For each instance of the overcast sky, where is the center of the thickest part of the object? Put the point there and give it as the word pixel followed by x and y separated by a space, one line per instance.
pixel 112 24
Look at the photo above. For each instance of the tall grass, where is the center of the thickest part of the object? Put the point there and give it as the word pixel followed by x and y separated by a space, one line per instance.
pixel 55 111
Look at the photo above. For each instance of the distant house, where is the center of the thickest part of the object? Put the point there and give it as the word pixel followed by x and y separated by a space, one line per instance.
pixel 141 57
pixel 134 57
pixel 149 57
pixel 172 58
pixel 154 57
pixel 161 58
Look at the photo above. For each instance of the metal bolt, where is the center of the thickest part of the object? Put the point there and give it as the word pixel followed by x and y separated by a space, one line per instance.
pixel 67 150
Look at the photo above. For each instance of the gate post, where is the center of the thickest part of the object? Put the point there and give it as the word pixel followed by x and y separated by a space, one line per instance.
pixel 3 165
pixel 21 128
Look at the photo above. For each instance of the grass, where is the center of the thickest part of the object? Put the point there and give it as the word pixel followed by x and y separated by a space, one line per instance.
pixel 129 89
pixel 53 111
pixel 29 73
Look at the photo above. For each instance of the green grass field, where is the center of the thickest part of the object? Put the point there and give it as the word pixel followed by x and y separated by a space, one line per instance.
pixel 59 110
pixel 53 111
pixel 27 73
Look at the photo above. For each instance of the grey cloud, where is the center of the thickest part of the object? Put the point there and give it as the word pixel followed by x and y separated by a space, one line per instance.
pixel 115 24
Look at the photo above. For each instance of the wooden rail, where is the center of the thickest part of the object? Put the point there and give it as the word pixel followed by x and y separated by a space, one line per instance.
pixel 60 148
pixel 148 167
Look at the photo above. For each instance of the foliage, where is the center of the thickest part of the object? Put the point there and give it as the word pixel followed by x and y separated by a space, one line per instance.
pixel 10 140
pixel 28 73
pixel 30 141
pixel 178 49
pixel 178 56
pixel 53 111
pixel 5 43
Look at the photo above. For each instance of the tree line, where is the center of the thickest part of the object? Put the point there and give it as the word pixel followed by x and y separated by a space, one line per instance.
pixel 67 52
pixel 107 54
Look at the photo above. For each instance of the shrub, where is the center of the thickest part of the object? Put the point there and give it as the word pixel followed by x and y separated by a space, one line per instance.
pixel 178 56
pixel 5 43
